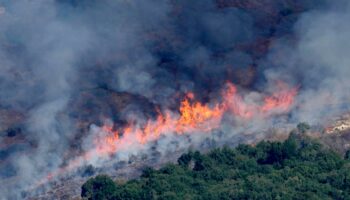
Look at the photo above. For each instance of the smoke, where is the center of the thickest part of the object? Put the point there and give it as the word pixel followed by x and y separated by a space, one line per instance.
pixel 318 62
pixel 39 53
pixel 71 67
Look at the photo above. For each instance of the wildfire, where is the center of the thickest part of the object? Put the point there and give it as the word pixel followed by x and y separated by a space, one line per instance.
pixel 280 100
pixel 235 104
pixel 192 117
pixel 196 117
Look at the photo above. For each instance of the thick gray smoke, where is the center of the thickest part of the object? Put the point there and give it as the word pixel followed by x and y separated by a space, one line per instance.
pixel 62 63
pixel 318 61
pixel 39 54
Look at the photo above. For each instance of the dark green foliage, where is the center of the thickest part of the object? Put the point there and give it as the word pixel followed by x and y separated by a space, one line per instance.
pixel 303 127
pixel 185 159
pixel 88 171
pixel 100 187
pixel 147 172
pixel 293 169
pixel 347 155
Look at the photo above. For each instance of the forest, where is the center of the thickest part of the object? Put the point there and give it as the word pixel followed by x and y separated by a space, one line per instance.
pixel 297 168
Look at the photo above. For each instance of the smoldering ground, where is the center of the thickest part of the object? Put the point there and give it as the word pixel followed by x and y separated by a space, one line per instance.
pixel 125 59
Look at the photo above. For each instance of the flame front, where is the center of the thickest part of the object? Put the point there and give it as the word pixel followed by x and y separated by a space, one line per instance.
pixel 193 118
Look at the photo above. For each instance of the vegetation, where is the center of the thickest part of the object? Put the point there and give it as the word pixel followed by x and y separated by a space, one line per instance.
pixel 293 169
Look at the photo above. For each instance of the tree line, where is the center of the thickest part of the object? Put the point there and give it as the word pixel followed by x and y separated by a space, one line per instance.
pixel 298 168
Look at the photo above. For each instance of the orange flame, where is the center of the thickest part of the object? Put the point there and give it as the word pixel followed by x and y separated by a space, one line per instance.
pixel 197 116
pixel 193 117
pixel 280 100
pixel 235 104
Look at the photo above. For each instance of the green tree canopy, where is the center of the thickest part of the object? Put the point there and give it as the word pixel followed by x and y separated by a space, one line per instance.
pixel 294 169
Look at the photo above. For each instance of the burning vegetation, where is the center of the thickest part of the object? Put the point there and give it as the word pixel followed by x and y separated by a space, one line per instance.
pixel 112 86
pixel 194 117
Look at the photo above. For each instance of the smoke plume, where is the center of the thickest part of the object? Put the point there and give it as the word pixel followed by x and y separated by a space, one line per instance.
pixel 98 82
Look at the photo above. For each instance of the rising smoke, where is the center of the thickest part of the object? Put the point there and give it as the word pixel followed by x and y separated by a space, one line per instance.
pixel 318 62
pixel 55 54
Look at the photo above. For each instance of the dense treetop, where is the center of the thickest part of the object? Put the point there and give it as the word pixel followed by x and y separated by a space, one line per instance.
pixel 294 169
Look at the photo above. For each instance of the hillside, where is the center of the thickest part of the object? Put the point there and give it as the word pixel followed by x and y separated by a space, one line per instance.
pixel 113 86
pixel 298 168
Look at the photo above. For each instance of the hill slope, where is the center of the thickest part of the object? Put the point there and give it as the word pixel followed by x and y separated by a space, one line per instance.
pixel 294 169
